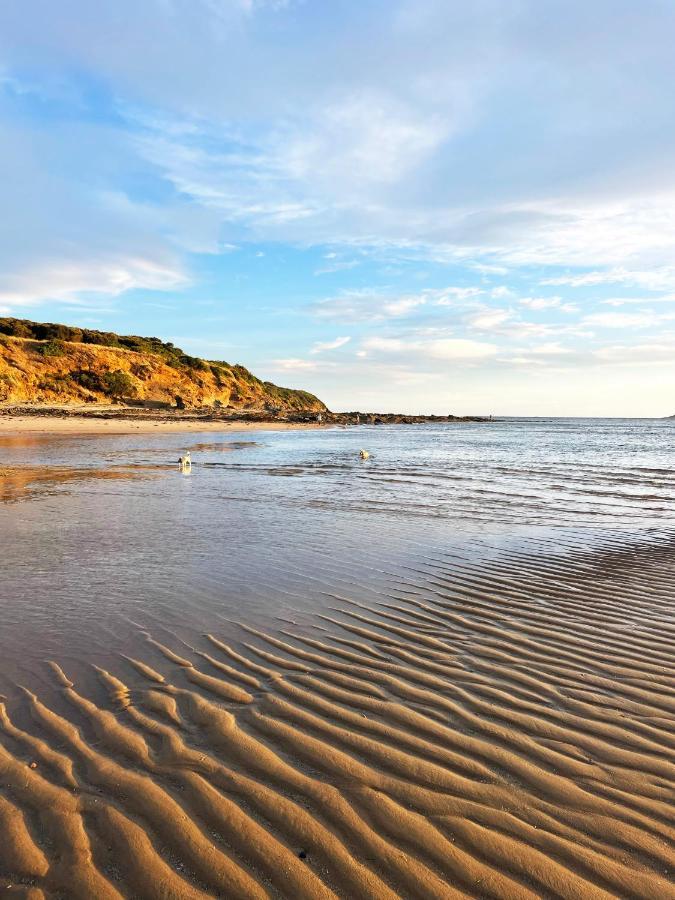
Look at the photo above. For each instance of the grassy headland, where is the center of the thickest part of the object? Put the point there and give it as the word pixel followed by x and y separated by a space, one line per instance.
pixel 58 365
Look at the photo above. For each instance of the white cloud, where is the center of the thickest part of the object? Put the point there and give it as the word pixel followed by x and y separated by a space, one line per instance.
pixel 366 137
pixel 322 346
pixel 371 304
pixel 638 301
pixel 488 320
pixel 521 361
pixel 488 269
pixel 444 349
pixel 366 304
pixel 386 345
pixel 67 280
pixel 657 278
pixel 452 296
pixel 620 320
pixel 550 349
pixel 456 349
pixel 644 353
pixel 294 364
pixel 501 291
pixel 520 330
pixel 402 306
pixel 541 302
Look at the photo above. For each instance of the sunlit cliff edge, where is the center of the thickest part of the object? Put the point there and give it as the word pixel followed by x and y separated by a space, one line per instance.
pixel 58 365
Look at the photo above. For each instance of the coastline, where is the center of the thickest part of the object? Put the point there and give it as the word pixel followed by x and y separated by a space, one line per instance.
pixel 125 420
pixel 73 424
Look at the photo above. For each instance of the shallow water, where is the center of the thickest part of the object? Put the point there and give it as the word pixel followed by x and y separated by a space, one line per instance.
pixel 103 535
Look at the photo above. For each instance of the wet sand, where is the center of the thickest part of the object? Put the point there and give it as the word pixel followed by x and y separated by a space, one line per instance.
pixel 23 482
pixel 73 424
pixel 502 729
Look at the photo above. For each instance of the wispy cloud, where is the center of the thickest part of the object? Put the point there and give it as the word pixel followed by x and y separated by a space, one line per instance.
pixel 541 302
pixel 443 349
pixel 488 320
pixel 655 279
pixel 454 296
pixel 620 320
pixel 74 281
pixel 638 301
pixel 374 304
pixel 363 305
pixel 295 364
pixel 323 346
pixel 646 353
pixel 336 265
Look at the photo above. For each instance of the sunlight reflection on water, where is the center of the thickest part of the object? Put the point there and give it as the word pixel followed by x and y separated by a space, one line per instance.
pixel 104 535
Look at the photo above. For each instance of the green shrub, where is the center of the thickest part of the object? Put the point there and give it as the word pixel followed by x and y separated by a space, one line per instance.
pixel 54 383
pixel 113 384
pixel 50 348
pixel 119 384
pixel 243 373
pixel 16 328
pixel 89 380
pixel 194 362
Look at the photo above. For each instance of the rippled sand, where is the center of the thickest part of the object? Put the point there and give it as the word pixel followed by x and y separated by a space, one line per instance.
pixel 503 730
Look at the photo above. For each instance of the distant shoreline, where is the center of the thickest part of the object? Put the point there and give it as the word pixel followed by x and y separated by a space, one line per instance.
pixel 124 420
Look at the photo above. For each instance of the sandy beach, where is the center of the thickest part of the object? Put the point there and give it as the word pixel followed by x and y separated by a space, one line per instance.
pixel 494 738
pixel 274 678
pixel 74 424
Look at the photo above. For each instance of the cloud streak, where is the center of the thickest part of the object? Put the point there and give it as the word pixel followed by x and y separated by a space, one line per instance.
pixel 324 346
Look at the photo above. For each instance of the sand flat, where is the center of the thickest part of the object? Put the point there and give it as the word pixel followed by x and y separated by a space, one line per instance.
pixel 506 730
pixel 73 424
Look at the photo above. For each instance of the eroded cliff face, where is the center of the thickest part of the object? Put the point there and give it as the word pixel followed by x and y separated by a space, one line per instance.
pixel 63 372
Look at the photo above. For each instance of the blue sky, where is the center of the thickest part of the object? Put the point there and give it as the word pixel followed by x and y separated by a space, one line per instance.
pixel 427 206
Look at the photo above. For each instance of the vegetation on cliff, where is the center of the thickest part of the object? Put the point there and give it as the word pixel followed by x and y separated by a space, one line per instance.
pixel 59 364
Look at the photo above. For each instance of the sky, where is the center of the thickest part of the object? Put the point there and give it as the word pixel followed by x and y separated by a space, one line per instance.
pixel 423 206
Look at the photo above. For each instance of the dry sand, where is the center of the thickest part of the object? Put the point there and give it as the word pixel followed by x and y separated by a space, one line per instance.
pixel 509 732
pixel 83 425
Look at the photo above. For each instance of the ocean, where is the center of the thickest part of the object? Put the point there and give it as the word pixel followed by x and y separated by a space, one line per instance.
pixel 104 535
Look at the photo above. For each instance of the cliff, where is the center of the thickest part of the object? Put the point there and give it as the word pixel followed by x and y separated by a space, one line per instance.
pixel 59 364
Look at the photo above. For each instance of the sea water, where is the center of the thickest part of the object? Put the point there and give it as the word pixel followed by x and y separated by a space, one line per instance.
pixel 104 538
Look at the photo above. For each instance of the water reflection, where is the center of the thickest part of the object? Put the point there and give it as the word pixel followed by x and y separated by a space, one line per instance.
pixel 111 537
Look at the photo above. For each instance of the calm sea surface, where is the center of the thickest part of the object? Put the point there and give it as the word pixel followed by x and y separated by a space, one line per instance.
pixel 103 537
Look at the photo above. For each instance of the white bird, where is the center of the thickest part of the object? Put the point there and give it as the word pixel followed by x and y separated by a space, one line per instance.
pixel 364 454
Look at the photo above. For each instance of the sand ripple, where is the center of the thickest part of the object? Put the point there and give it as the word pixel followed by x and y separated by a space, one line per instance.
pixel 501 731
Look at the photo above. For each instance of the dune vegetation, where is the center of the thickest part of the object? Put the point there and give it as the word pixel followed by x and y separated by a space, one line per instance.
pixel 59 364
